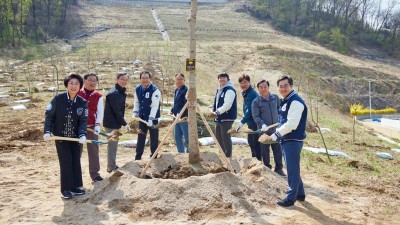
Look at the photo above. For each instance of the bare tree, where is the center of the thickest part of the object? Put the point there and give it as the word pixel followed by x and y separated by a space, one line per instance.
pixel 194 154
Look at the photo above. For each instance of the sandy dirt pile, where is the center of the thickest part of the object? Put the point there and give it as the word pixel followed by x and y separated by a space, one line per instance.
pixel 216 195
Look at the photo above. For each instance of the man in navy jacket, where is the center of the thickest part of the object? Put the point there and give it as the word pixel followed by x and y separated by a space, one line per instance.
pixel 249 94
pixel 291 133
pixel 180 129
pixel 147 107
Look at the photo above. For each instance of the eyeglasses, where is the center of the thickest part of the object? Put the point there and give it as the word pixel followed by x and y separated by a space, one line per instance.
pixel 92 81
pixel 286 86
pixel 124 80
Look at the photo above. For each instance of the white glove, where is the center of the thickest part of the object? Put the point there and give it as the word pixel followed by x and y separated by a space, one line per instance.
pixel 135 114
pixel 150 123
pixel 240 125
pixel 82 140
pixel 274 137
pixel 127 127
pixel 46 136
pixel 264 127
pixel 97 129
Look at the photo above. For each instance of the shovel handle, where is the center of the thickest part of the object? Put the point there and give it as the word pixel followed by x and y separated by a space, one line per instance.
pixel 58 138
pixel 101 133
pixel 144 121
pixel 260 132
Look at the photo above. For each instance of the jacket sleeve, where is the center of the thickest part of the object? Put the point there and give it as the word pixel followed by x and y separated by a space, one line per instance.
pixel 155 104
pixel 135 103
pixel 50 115
pixel 113 100
pixel 83 120
pixel 248 112
pixel 293 119
pixel 100 111
pixel 256 113
pixel 228 102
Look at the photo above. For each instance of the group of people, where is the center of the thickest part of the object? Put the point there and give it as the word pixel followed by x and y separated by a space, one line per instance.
pixel 79 113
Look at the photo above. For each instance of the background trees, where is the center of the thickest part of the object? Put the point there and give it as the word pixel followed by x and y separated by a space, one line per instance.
pixel 32 20
pixel 337 23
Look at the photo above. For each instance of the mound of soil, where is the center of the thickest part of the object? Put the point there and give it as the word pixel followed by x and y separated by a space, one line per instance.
pixel 204 191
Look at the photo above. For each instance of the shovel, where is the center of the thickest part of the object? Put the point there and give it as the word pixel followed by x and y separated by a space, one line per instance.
pixel 145 122
pixel 113 136
pixel 58 138
pixel 259 131
pixel 232 131
pixel 101 132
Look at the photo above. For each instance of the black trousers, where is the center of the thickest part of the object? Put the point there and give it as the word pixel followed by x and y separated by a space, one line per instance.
pixel 255 146
pixel 276 150
pixel 142 139
pixel 69 156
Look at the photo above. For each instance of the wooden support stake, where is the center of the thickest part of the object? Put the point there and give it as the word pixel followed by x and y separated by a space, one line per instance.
pixel 163 140
pixel 222 153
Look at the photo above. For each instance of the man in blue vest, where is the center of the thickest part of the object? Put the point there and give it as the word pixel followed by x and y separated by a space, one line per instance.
pixel 225 108
pixel 291 133
pixel 249 94
pixel 181 129
pixel 147 107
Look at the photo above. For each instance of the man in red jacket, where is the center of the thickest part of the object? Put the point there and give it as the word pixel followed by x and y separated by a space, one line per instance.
pixel 95 117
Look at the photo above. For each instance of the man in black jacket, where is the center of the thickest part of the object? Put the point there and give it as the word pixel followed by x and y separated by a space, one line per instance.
pixel 114 112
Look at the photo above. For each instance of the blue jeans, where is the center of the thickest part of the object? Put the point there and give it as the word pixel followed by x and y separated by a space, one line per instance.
pixel 181 130
pixel 291 153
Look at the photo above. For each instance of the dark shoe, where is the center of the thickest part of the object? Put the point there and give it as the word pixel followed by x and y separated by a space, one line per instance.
pixel 115 168
pixel 66 195
pixel 301 198
pixel 280 172
pixel 285 203
pixel 77 191
pixel 98 178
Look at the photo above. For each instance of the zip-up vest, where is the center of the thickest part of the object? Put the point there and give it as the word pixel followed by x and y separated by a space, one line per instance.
pixel 299 133
pixel 180 101
pixel 144 96
pixel 229 115
pixel 93 101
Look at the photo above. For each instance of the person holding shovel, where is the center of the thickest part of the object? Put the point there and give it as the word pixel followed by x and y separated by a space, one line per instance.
pixel 147 107
pixel 225 109
pixel 114 112
pixel 265 112
pixel 181 129
pixel 95 118
pixel 66 116
pixel 291 133
pixel 249 94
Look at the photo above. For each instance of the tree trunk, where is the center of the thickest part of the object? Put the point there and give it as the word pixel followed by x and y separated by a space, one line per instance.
pixel 194 154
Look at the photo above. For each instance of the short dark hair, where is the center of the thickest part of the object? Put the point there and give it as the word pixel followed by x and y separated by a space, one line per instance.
pixel 180 74
pixel 89 75
pixel 262 81
pixel 244 77
pixel 120 74
pixel 285 77
pixel 73 76
pixel 144 72
pixel 223 74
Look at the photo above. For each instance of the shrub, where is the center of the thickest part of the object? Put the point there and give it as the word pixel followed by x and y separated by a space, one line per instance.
pixel 358 109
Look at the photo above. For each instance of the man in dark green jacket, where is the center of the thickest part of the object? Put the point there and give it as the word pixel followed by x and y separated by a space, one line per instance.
pixel 249 94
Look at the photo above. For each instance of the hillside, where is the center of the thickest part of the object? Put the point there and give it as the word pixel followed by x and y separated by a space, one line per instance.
pixel 361 190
